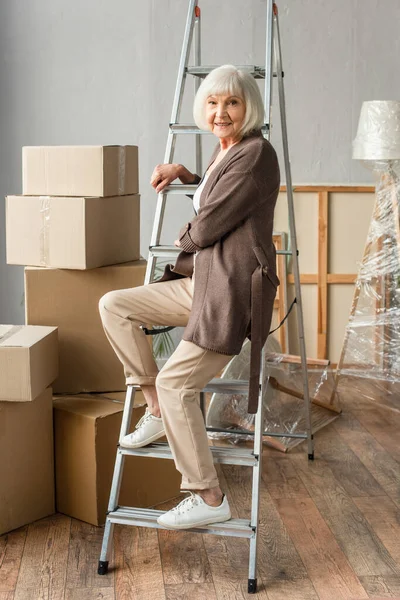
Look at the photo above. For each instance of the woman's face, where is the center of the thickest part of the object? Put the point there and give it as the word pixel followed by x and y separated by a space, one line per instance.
pixel 225 116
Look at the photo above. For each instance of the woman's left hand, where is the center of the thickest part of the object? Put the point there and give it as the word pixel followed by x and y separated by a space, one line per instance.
pixel 177 243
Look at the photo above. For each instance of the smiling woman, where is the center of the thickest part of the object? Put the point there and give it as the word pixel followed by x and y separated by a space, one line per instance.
pixel 230 298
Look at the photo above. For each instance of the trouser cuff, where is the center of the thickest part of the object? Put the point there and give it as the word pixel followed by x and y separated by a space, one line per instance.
pixel 140 380
pixel 200 485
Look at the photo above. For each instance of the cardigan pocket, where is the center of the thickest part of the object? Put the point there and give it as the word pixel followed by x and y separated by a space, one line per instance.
pixel 263 262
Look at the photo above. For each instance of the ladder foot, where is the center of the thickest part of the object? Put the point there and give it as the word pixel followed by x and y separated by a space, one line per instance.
pixel 252 586
pixel 311 456
pixel 103 567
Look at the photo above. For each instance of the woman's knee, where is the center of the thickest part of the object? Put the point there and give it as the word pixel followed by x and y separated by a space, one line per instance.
pixel 109 302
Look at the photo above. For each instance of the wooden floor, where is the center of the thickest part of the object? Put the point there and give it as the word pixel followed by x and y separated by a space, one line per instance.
pixel 330 530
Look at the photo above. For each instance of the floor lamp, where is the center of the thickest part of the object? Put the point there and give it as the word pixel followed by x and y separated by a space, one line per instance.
pixel 369 364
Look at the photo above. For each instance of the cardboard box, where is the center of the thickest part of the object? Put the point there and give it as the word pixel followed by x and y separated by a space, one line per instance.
pixel 28 361
pixel 69 299
pixel 72 233
pixel 27 464
pixel 80 170
pixel 86 433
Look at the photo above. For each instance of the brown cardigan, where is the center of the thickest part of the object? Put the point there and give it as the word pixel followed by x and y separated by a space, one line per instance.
pixel 235 284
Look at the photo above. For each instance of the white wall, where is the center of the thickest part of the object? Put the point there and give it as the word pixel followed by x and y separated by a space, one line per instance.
pixel 101 72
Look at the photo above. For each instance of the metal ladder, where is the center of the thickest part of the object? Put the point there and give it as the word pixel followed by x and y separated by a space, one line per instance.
pixel 234 456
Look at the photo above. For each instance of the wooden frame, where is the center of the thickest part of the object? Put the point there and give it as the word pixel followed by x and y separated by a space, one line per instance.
pixel 322 278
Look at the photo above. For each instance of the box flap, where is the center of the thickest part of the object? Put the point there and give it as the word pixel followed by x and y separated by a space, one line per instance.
pixel 22 336
pixel 96 406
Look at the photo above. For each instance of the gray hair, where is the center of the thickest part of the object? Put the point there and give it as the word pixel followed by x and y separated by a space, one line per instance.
pixel 230 80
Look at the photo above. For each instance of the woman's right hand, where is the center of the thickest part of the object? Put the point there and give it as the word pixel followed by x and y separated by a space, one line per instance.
pixel 163 175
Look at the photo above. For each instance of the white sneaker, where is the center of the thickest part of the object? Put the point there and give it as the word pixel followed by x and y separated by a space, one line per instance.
pixel 193 512
pixel 148 429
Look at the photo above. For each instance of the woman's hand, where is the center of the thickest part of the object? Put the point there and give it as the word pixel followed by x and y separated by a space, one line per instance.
pixel 177 243
pixel 163 175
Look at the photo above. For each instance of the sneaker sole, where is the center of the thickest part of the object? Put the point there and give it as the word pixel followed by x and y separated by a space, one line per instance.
pixel 199 524
pixel 145 442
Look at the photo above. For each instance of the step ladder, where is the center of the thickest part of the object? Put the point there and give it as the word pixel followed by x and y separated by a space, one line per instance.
pixel 234 456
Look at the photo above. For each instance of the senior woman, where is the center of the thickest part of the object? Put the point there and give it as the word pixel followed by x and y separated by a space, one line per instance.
pixel 221 289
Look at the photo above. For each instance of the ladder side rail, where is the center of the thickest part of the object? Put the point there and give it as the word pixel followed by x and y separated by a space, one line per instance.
pixel 257 470
pixel 292 226
pixel 197 83
pixel 170 147
pixel 268 67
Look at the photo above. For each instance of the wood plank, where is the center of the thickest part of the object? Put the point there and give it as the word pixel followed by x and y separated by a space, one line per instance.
pixel 11 549
pixel 138 572
pixel 322 307
pixel 347 468
pixel 194 591
pixel 330 188
pixel 376 459
pixel 327 566
pixel 281 479
pixel 381 423
pixel 342 278
pixel 105 593
pixel 184 558
pixel 384 517
pixel 301 589
pixel 362 547
pixel 305 278
pixel 83 558
pixel 382 587
pixel 277 557
pixel 310 278
pixel 183 555
pixel 229 556
pixel 44 561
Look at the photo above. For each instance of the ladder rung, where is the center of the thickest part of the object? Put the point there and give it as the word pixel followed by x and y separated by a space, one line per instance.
pixel 203 70
pixel 221 455
pixel 179 128
pixel 227 386
pixel 143 517
pixel 180 188
pixel 164 251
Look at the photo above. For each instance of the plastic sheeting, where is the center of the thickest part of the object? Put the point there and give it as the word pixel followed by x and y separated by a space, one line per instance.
pixel 282 398
pixel 369 365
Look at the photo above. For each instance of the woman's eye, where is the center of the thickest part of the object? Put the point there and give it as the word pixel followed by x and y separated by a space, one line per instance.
pixel 233 102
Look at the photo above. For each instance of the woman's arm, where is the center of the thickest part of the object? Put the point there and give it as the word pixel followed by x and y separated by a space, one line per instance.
pixel 236 194
pixel 165 174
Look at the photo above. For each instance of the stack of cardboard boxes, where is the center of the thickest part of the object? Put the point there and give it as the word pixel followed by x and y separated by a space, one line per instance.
pixel 77 226
pixel 28 365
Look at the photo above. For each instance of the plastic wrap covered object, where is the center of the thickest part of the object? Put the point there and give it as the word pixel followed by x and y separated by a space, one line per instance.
pixel 369 365
pixel 282 398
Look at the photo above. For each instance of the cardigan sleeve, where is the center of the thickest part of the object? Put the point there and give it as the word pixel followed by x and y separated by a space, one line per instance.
pixel 231 201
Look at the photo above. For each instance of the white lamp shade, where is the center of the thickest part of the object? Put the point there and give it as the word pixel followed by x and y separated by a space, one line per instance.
pixel 378 134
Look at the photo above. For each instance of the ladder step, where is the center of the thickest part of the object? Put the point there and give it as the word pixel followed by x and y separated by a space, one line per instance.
pixel 172 252
pixel 201 71
pixel 145 517
pixel 181 128
pixel 226 456
pixel 164 251
pixel 180 188
pixel 178 128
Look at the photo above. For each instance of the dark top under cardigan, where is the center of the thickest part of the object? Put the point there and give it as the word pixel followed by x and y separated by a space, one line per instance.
pixel 236 280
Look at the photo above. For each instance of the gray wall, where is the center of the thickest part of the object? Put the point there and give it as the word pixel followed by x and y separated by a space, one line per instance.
pixel 101 72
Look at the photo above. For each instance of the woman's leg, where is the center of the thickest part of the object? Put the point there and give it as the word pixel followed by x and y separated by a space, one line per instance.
pixel 124 311
pixel 178 385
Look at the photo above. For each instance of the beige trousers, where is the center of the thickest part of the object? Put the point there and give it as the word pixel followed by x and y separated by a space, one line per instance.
pixel 180 380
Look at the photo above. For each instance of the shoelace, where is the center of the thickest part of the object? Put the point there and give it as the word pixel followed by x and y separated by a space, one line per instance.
pixel 186 504
pixel 146 417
